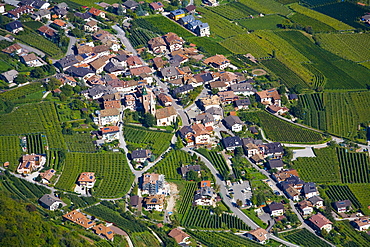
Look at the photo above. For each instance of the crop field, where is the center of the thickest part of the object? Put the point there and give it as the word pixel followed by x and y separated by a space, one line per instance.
pixel 216 239
pixel 324 168
pixel 10 150
pixel 353 237
pixel 282 131
pixel 209 46
pixel 187 198
pixel 354 167
pixel 313 105
pixel 110 168
pixel 21 92
pixel 170 165
pixel 165 25
pixel 342 192
pixel 304 237
pixel 340 73
pixel 305 21
pixel 140 37
pixel 352 46
pixel 41 43
pixel 219 26
pixel 322 17
pixel 344 11
pixel 35 118
pixel 36 143
pixel 267 6
pixel 217 160
pixel 362 192
pixel 33 24
pixel 287 76
pixel 80 143
pixel 143 239
pixel 233 11
pixel 313 3
pixel 200 218
pixel 156 141
pixel 243 44
pixel 269 22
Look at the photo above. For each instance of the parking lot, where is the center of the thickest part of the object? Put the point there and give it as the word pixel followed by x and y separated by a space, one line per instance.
pixel 241 191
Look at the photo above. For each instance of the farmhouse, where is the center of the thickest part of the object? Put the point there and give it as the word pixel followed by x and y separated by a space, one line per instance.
pixel 79 218
pixel 269 97
pixel 47 175
pixel 14 27
pixel 50 202
pixel 140 155
pixel 259 235
pixel 9 76
pixel 218 62
pixel 157 6
pixel 275 164
pixel 154 202
pixel 96 12
pixel 157 45
pixel 173 41
pixel 30 163
pixel 108 116
pixel 179 236
pixel 86 179
pixel 275 209
pixel 306 207
pixel 320 222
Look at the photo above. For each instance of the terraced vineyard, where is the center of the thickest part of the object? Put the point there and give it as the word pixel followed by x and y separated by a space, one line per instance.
pixel 243 44
pixel 305 21
pixel 324 168
pixel 216 239
pixel 217 160
pixel 10 150
pixel 34 118
pixel 362 192
pixel 20 92
pixel 209 45
pixel 80 143
pixel 187 198
pixel 354 238
pixel 314 111
pixel 139 37
pixel 304 238
pixel 171 163
pixel 201 218
pixel 267 6
pixel 342 192
pixel 269 22
pixel 354 167
pixel 233 11
pixel 156 141
pixel 111 170
pixel 282 131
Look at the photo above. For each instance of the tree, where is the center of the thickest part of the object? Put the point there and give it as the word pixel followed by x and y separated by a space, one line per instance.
pixel 239 203
pixel 76 32
pixel 192 175
pixel 217 211
pixel 148 120
pixel 37 72
pixel 77 104
pixel 120 10
pixel 215 91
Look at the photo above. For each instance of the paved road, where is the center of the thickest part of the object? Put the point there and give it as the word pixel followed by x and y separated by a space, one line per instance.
pixel 122 36
pixel 31 49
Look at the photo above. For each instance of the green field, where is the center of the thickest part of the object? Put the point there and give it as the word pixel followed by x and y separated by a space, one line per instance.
pixel 233 11
pixel 324 168
pixel 342 192
pixel 362 192
pixel 171 163
pixel 279 130
pixel 21 92
pixel 267 6
pixel 316 25
pixel 304 238
pixel 34 118
pixel 80 143
pixel 156 141
pixel 352 46
pixel 269 22
pixel 209 46
pixel 354 167
pixel 10 151
pixel 221 239
pixel 245 43
pixel 114 178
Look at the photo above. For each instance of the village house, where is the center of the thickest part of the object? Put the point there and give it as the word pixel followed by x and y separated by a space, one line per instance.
pixel 202 30
pixel 281 176
pixel 9 76
pixel 275 209
pixel 245 89
pixel 13 49
pixel 157 45
pixel 309 190
pixel 231 142
pixel 179 91
pixel 227 97
pixel 31 163
pixel 199 135
pixel 50 202
pixel 273 149
pixel 48 32
pixel 206 119
pixel 210 101
pixel 157 6
pixel 275 164
pixel 91 26
pixel 80 72
pixel 166 116
pixel 14 27
pixel 342 206
pixel 130 4
pixel 275 109
pixel 113 103
pixel 66 62
pixel 138 71
pixel 242 104
pixel 290 191
pixel 173 41
pixel 186 19
pixel 38 4
pixel 317 201
pixel 320 222
pixel 159 63
pixel 104 231
pixel 39 15
pixel 31 60
pixel 61 10
pixel 18 11
pixel 110 133
pixel 108 116
pixel 171 73
pixel 361 224
pixel 216 113
pixel 205 196
pixel 177 14
pixel 219 85
pixel 130 102
pixel 86 179
pixel 179 236
pixel 80 219
pixel 233 123
pixel 250 148
pixel 2 8
pixel 47 175
pixel 154 202
pixel 141 155
pixel 185 169
pixel 259 235
pixel 269 97
pixel 218 61
pixel 153 184
pixel 164 100
pixel 96 12
pixel 59 24
pixel 135 200
pixel 98 64
pixel 305 207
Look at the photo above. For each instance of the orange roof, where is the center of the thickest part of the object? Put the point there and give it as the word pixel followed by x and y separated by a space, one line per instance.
pixel 112 104
pixel 59 23
pixel 104 231
pixel 217 59
pixel 109 129
pixel 205 183
pixel 140 70
pixel 79 218
pixel 178 235
pixel 259 234
pixel 95 11
pixel 319 220
pixel 86 177
pixel 48 174
pixel 271 93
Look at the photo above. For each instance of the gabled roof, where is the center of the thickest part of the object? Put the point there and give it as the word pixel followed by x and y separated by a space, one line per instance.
pixel 232 120
pixel 182 89
pixel 109 129
pixel 14 25
pixel 217 59
pixel 259 234
pixel 270 93
pixel 232 141
pixel 309 187
pixel 95 11
pixel 165 112
pixel 86 177
pixel 178 235
pixel 315 199
pixel 48 200
pixel 243 87
pixel 104 231
pixel 79 219
pixel 343 204
pixel 156 5
pixel 79 71
pixel 130 4
pixel 140 154
pixel 275 206
pixel 12 48
pixel 275 163
pixel 109 112
pixel 319 220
